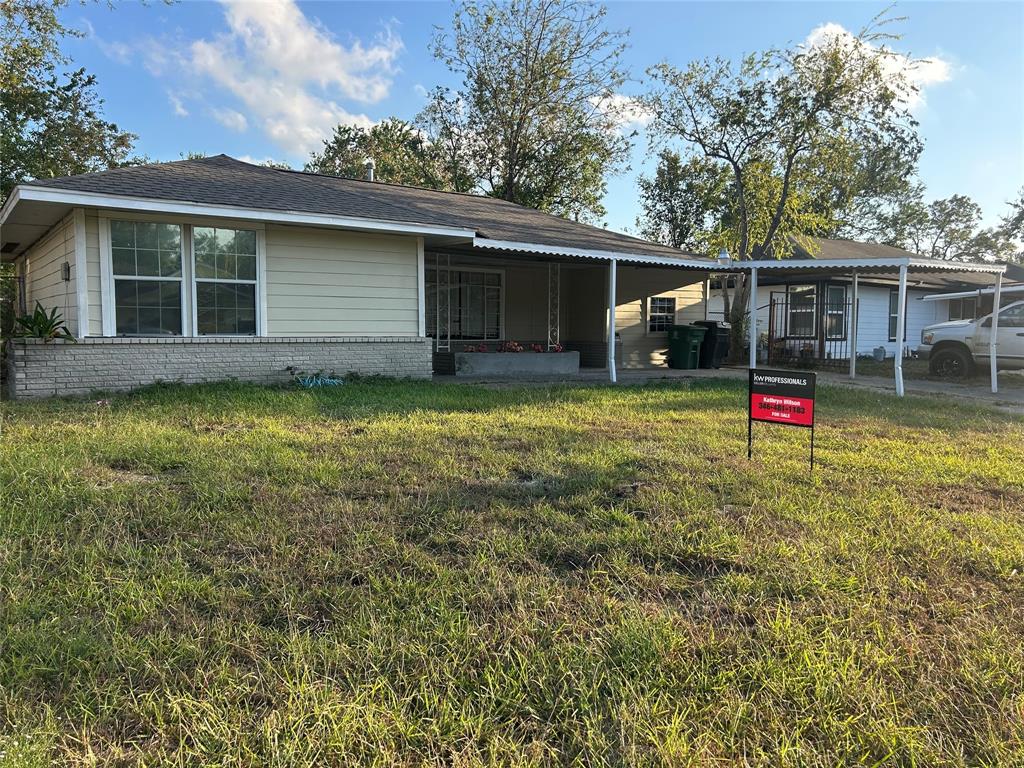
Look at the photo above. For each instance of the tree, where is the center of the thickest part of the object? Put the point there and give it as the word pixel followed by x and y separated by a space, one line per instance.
pixel 806 134
pixel 535 115
pixel 685 203
pixel 400 153
pixel 52 122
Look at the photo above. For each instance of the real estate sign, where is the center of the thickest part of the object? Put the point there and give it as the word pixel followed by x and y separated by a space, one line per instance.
pixel 780 397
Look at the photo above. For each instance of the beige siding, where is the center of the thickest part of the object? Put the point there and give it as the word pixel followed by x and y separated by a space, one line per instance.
pixel 332 283
pixel 641 349
pixel 42 270
pixel 93 268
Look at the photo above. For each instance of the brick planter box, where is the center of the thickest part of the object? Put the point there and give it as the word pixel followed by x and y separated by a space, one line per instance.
pixel 512 364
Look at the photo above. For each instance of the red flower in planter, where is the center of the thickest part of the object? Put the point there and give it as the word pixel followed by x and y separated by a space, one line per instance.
pixel 511 346
pixel 557 348
pixel 537 347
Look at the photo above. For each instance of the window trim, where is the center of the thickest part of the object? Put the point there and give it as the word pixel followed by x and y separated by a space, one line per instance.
pixel 196 280
pixel 649 314
pixel 428 267
pixel 111 296
pixel 188 317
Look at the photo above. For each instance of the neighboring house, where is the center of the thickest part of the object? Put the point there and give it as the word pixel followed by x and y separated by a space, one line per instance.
pixel 959 304
pixel 215 268
pixel 809 314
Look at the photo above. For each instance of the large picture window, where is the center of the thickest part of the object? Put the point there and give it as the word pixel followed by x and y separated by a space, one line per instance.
pixel 225 277
pixel 146 270
pixel 474 304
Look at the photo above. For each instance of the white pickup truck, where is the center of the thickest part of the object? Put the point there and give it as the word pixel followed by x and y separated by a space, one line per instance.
pixel 953 349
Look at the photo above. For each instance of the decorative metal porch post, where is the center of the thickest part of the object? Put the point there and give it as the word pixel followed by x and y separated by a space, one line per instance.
pixel 554 305
pixel 442 274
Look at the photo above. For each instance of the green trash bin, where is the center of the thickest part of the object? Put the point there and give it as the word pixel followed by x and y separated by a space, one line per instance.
pixel 684 343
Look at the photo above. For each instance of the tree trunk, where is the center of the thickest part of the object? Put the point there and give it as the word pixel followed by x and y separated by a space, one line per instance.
pixel 737 317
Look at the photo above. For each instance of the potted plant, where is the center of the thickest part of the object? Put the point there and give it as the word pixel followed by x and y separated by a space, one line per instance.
pixel 40 324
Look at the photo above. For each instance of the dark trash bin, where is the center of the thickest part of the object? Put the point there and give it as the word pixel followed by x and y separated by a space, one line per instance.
pixel 715 348
pixel 684 345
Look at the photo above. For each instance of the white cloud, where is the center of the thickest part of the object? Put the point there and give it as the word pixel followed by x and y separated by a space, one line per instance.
pixel 920 74
pixel 625 111
pixel 177 104
pixel 230 119
pixel 288 72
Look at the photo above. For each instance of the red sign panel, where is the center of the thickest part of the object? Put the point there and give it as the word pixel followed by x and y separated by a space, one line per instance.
pixel 782 397
pixel 782 410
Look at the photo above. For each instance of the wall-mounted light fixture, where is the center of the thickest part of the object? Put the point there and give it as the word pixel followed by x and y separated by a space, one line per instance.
pixel 65 272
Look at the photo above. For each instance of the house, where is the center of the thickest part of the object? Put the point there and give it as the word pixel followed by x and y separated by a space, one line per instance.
pixel 806 312
pixel 214 268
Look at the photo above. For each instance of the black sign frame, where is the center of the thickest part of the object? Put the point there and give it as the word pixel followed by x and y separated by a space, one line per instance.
pixel 795 390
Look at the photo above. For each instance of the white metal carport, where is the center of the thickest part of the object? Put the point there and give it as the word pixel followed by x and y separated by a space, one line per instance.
pixel 903 266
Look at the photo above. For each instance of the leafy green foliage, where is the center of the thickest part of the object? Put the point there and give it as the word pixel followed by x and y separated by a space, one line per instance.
pixel 685 203
pixel 534 120
pixel 40 324
pixel 809 136
pixel 411 574
pixel 52 121
pixel 399 150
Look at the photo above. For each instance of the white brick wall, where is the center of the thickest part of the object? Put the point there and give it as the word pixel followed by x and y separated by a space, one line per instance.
pixel 43 370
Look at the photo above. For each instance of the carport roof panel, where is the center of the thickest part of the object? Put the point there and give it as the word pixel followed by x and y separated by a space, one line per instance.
pixel 884 264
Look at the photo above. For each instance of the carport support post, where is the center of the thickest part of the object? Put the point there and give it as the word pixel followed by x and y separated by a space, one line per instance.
pixel 853 327
pixel 752 318
pixel 611 321
pixel 901 328
pixel 992 337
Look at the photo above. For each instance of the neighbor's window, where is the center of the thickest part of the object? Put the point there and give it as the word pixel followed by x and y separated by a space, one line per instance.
pixel 801 308
pixel 474 304
pixel 225 275
pixel 963 309
pixel 146 266
pixel 661 314
pixel 894 313
pixel 835 312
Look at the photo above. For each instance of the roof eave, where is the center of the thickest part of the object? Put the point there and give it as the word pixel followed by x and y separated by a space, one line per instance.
pixel 187 207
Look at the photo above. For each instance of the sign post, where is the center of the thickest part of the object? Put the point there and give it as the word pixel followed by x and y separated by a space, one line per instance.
pixel 780 397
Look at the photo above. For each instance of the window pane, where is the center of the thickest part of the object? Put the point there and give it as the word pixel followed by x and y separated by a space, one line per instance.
pixel 206 265
pixel 226 266
pixel 145 235
pixel 148 293
pixel 246 267
pixel 124 261
pixel 205 240
pixel 170 263
pixel 245 241
pixel 122 234
pixel 225 240
pixel 169 237
pixel 147 262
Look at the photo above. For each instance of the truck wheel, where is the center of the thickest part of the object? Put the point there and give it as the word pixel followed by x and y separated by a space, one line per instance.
pixel 952 363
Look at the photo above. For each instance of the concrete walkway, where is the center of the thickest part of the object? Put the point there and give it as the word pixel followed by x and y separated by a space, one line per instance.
pixel 1010 397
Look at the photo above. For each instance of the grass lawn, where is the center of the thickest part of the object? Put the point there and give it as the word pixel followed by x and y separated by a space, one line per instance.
pixel 414 574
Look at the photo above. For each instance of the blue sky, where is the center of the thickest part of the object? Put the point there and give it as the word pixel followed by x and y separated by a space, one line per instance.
pixel 267 80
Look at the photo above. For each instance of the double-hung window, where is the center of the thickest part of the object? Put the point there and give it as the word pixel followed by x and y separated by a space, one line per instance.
pixel 146 271
pixel 661 314
pixel 225 278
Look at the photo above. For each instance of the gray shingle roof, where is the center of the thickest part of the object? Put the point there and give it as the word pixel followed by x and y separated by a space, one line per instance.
pixel 222 180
